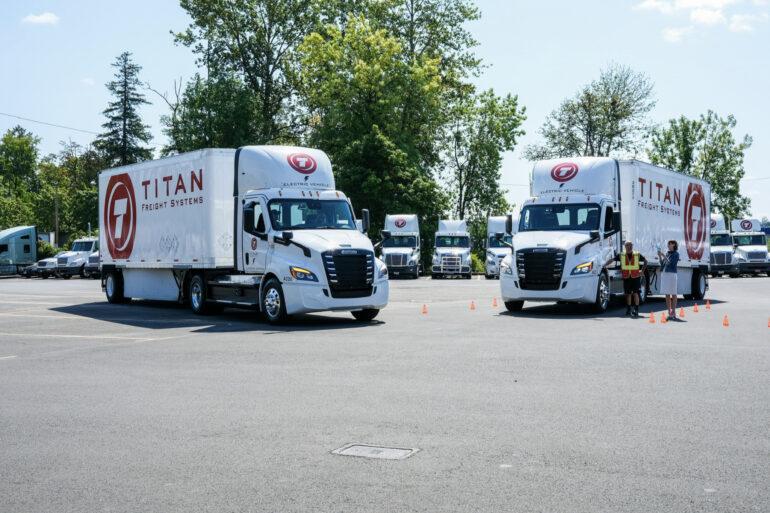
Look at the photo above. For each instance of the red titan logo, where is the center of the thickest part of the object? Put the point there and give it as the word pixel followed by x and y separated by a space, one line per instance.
pixel 564 172
pixel 746 224
pixel 400 223
pixel 120 216
pixel 302 162
pixel 694 221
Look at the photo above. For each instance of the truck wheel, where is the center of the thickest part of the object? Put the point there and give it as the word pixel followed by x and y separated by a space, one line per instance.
pixel 197 296
pixel 113 286
pixel 365 315
pixel 82 271
pixel 273 304
pixel 488 276
pixel 645 289
pixel 514 306
pixel 468 276
pixel 698 285
pixel 43 276
pixel 602 294
pixel 66 276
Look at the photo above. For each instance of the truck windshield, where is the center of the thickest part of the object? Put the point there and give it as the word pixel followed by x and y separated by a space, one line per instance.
pixel 750 240
pixel 310 214
pixel 400 241
pixel 82 246
pixel 559 217
pixel 447 241
pixel 494 243
pixel 720 240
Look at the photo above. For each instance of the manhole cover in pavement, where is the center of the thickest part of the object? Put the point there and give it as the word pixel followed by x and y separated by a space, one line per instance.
pixel 374 451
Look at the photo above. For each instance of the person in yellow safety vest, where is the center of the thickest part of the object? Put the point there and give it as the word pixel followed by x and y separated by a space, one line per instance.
pixel 632 273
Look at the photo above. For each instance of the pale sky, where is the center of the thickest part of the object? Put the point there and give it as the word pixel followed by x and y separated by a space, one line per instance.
pixel 701 54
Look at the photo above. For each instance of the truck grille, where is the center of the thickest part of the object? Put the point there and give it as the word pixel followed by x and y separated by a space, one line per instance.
pixel 451 263
pixel 350 272
pixel 721 258
pixel 540 268
pixel 42 264
pixel 757 256
pixel 395 260
pixel 61 260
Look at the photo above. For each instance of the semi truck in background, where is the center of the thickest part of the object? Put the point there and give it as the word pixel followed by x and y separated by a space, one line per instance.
pixel 261 226
pixel 496 249
pixel 18 249
pixel 581 212
pixel 401 251
pixel 74 261
pixel 750 246
pixel 721 261
pixel 452 252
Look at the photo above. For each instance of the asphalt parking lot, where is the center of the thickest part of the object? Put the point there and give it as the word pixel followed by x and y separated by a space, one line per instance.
pixel 145 407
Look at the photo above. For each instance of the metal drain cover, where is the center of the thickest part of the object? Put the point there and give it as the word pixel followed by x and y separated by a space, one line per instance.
pixel 374 451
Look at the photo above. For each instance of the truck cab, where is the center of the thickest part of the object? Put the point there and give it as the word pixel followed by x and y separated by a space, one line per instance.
pixel 401 251
pixel 74 261
pixel 750 247
pixel 497 249
pixel 722 261
pixel 452 253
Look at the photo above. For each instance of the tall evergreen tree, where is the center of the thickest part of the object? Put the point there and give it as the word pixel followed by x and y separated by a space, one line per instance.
pixel 121 143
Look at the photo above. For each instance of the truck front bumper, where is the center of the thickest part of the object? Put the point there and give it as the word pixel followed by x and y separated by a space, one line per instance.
pixel 575 289
pixel 68 271
pixel 438 269
pixel 754 267
pixel 408 270
pixel 723 269
pixel 314 297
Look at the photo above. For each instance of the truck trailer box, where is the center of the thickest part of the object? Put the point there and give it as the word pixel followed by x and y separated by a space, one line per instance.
pixel 18 248
pixel 580 213
pixel 258 226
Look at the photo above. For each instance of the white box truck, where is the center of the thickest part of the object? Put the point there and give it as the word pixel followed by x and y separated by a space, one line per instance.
pixel 401 249
pixel 750 246
pixel 496 248
pixel 259 226
pixel 721 260
pixel 580 213
pixel 18 249
pixel 74 261
pixel 452 252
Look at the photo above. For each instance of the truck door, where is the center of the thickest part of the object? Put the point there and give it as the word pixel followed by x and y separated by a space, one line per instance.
pixel 255 242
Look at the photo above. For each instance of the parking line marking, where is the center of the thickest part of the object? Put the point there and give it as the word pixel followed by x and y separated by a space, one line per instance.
pixel 8 357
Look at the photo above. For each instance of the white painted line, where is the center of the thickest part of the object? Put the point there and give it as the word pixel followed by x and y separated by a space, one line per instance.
pixel 8 357
pixel 100 337
pixel 506 465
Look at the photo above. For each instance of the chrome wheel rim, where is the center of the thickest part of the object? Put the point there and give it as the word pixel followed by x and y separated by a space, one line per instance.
pixel 272 303
pixel 110 286
pixel 702 285
pixel 604 292
pixel 196 295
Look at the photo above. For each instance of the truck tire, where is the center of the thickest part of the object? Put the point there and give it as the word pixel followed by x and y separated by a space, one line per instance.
pixel 603 294
pixel 113 287
pixel 468 276
pixel 488 276
pixel 365 315
pixel 645 289
pixel 82 272
pixel 514 306
pixel 66 276
pixel 698 285
pixel 197 296
pixel 273 304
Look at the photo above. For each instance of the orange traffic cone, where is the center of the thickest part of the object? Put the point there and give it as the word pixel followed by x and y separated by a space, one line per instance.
pixel 663 318
pixel 424 308
pixel 652 317
pixel 725 322
pixel 473 305
pixel 695 308
pixel 494 302
pixel 708 305
pixel 681 312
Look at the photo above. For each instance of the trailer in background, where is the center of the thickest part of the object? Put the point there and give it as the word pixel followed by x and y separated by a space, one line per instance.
pixel 18 249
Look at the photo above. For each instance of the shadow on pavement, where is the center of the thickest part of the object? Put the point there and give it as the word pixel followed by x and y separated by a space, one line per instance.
pixel 616 309
pixel 159 315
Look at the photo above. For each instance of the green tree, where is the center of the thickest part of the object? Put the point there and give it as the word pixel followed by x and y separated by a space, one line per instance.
pixel 254 40
pixel 355 84
pixel 706 148
pixel 121 142
pixel 217 112
pixel 18 160
pixel 607 117
pixel 484 127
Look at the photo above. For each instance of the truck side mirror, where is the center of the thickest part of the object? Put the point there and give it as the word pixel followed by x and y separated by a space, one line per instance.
pixel 501 237
pixel 616 221
pixel 248 218
pixel 594 234
pixel 509 224
pixel 385 234
pixel 365 220
pixel 287 236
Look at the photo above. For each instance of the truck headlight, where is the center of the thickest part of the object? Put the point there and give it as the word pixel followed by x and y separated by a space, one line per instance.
pixel 583 268
pixel 435 259
pixel 505 268
pixel 301 274
pixel 382 270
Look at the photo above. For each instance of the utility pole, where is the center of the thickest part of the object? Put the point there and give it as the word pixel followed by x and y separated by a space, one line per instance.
pixel 56 213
